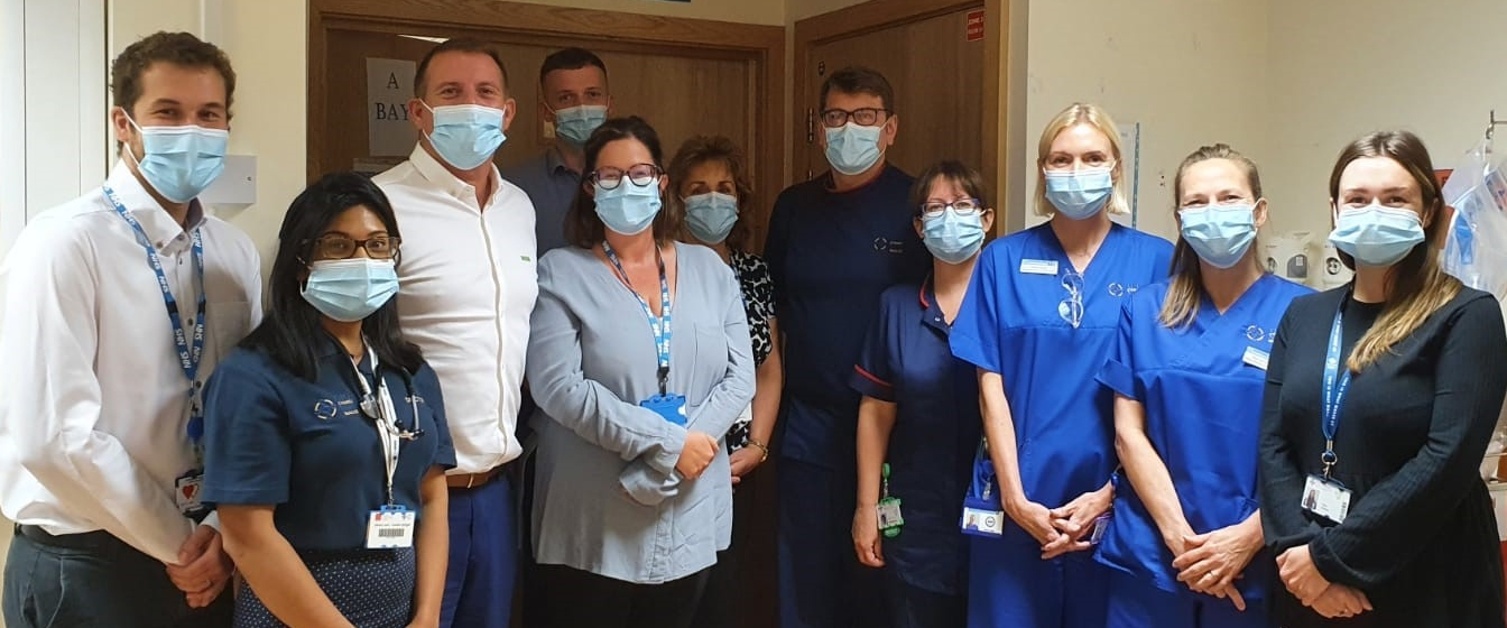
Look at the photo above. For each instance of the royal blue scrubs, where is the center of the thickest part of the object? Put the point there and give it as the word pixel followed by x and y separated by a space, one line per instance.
pixel 1201 387
pixel 1016 321
pixel 830 255
pixel 907 361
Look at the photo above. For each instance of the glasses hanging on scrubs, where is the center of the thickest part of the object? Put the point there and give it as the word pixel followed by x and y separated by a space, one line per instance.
pixel 1071 308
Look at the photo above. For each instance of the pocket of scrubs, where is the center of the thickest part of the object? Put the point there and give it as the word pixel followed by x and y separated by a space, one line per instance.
pixel 671 407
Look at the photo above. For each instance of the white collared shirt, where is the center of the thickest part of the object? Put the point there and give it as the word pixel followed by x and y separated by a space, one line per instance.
pixel 468 285
pixel 93 402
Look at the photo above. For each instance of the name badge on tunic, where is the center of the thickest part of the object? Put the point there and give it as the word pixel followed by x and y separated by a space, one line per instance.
pixel 1038 266
pixel 1326 498
pixel 390 527
pixel 1256 357
pixel 187 493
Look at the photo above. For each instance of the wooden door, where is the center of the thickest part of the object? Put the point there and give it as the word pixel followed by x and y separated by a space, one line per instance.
pixel 935 63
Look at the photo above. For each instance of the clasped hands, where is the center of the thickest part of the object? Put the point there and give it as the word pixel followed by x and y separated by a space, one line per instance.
pixel 1303 580
pixel 1061 530
pixel 203 569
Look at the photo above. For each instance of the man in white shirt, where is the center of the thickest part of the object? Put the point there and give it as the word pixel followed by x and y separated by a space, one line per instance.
pixel 117 305
pixel 468 289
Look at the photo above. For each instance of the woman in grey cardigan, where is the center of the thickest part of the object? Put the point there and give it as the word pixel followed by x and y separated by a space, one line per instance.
pixel 640 360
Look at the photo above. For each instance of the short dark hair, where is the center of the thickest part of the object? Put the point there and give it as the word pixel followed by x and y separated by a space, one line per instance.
pixel 954 171
pixel 461 44
pixel 856 79
pixel 583 228
pixel 291 334
pixel 570 59
pixel 182 49
pixel 702 149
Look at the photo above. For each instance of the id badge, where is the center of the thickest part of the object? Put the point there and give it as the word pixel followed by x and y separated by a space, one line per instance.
pixel 671 407
pixel 1326 498
pixel 1101 525
pixel 1256 357
pixel 390 527
pixel 890 519
pixel 982 518
pixel 186 492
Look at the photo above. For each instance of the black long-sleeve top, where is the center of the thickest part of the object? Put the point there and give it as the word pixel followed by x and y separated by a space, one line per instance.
pixel 1419 539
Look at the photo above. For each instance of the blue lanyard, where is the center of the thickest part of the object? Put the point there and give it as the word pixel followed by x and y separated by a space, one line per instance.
pixel 188 355
pixel 659 325
pixel 1336 382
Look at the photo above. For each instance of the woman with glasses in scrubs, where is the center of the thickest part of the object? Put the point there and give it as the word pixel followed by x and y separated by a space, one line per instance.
pixel 1040 320
pixel 1187 375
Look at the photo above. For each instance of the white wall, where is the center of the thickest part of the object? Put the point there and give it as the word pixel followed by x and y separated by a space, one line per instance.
pixel 1343 68
pixel 1192 72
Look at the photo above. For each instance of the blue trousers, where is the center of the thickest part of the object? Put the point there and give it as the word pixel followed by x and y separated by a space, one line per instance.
pixel 1010 586
pixel 822 584
pixel 1135 602
pixel 483 556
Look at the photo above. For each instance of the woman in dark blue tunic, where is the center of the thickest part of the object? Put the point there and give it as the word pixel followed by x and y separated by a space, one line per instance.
pixel 325 436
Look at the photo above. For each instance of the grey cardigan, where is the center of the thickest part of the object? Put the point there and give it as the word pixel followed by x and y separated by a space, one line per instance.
pixel 607 499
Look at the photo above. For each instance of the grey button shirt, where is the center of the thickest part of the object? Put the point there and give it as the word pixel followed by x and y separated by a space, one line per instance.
pixel 607 498
pixel 552 186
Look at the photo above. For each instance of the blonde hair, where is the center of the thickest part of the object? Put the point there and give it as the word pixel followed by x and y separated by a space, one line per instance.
pixel 1186 291
pixel 1418 284
pixel 1074 115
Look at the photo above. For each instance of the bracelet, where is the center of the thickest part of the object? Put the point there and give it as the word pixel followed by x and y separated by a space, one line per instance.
pixel 762 448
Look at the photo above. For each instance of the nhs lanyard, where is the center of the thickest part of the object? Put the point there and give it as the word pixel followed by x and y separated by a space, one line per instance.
pixel 380 409
pixel 660 325
pixel 188 354
pixel 1336 382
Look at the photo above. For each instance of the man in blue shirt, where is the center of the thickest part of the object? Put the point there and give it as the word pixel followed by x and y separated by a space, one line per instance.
pixel 835 243
pixel 573 99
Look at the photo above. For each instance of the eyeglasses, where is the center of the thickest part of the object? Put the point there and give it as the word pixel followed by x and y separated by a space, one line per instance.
pixel 642 175
pixel 1071 308
pixel 867 116
pixel 342 247
pixel 963 207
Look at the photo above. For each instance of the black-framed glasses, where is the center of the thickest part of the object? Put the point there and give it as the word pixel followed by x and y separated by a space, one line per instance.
pixel 1071 308
pixel 963 207
pixel 335 246
pixel 867 116
pixel 642 175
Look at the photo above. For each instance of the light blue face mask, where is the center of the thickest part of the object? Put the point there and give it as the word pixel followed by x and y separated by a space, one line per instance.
pixel 952 237
pixel 1220 234
pixel 576 124
pixel 180 161
pixel 349 290
pixel 711 216
pixel 466 136
pixel 628 209
pixel 1080 194
pixel 1375 235
pixel 852 148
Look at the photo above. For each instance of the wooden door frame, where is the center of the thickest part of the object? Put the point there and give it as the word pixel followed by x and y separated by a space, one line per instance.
pixel 877 15
pixel 546 25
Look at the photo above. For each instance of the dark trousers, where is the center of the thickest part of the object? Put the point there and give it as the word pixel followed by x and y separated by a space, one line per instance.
pixel 483 556
pixel 581 599
pixel 913 607
pixel 92 580
pixel 822 584
pixel 726 590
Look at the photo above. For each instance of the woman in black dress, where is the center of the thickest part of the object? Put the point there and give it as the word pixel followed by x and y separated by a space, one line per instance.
pixel 1381 397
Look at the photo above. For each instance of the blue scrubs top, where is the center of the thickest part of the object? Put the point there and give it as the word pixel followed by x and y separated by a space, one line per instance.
pixel 830 255
pixel 272 438
pixel 1016 322
pixel 1201 386
pixel 906 361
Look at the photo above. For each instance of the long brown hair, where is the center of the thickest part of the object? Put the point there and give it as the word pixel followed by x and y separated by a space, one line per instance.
pixel 1186 290
pixel 708 148
pixel 583 228
pixel 1418 284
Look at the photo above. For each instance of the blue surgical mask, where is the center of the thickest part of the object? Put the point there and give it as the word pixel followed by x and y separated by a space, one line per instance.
pixel 1375 235
pixel 628 209
pixel 952 237
pixel 466 136
pixel 349 290
pixel 180 161
pixel 1080 194
pixel 853 148
pixel 711 216
pixel 575 124
pixel 1220 234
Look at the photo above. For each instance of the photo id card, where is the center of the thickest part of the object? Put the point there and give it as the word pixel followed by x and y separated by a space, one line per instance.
pixel 1326 498
pixel 981 518
pixel 890 519
pixel 390 527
